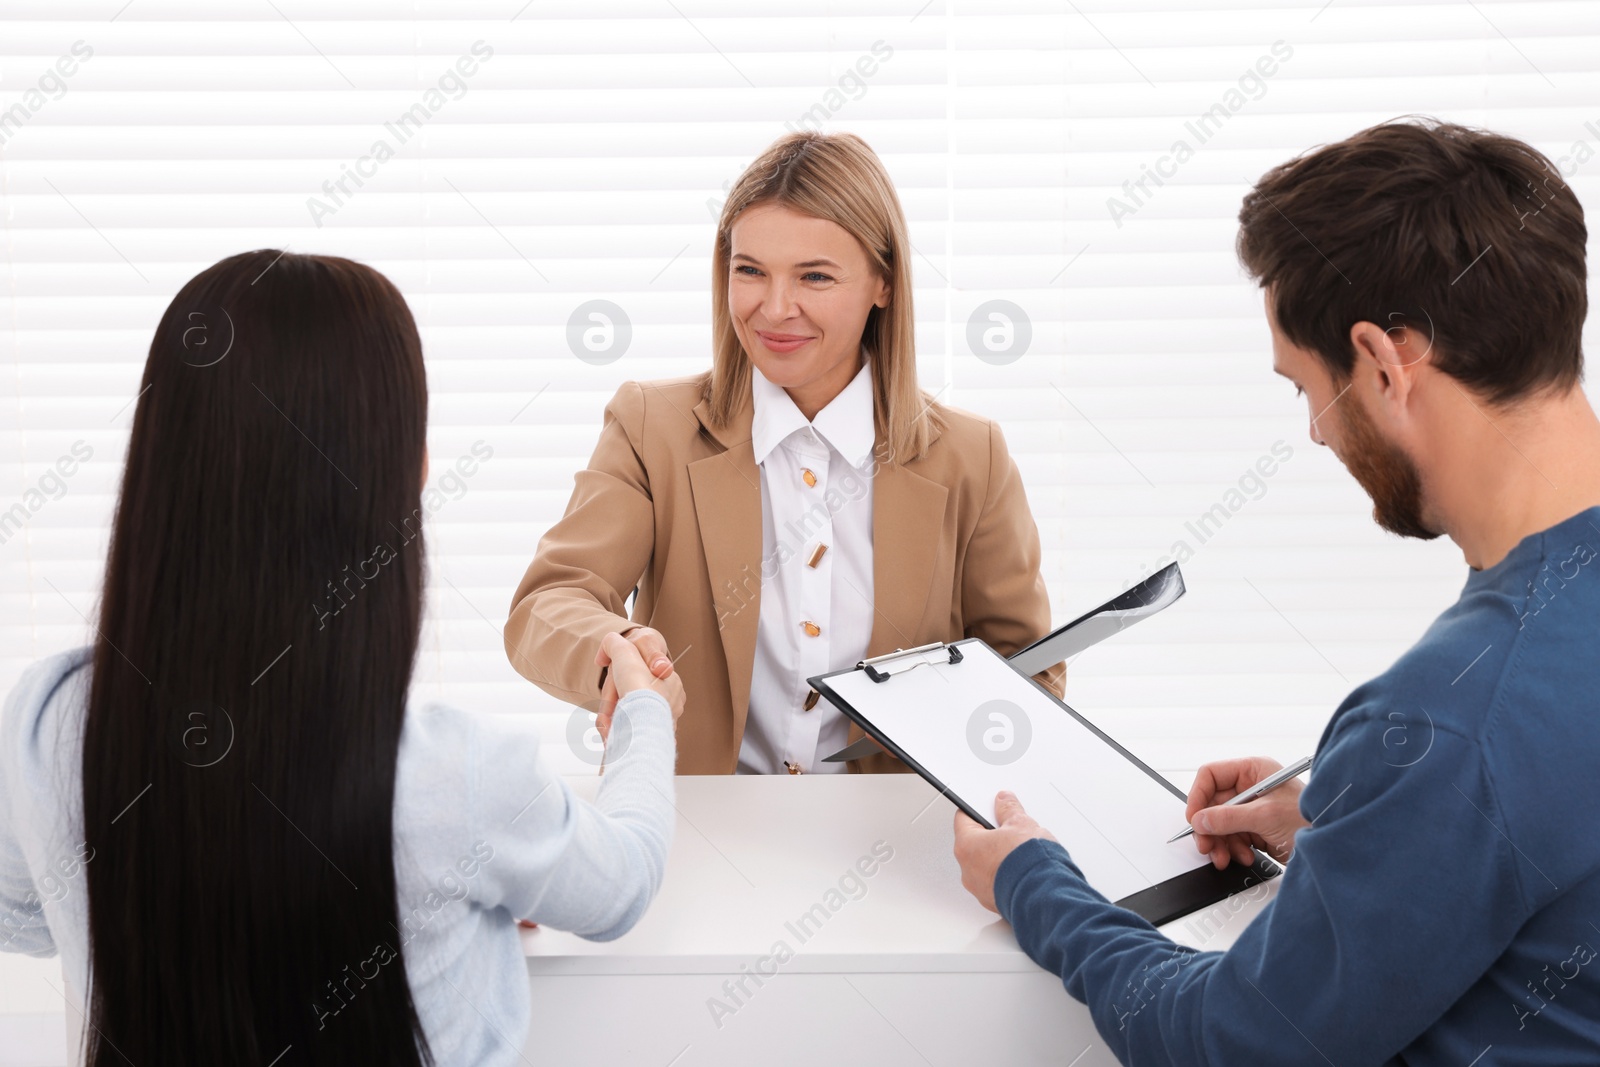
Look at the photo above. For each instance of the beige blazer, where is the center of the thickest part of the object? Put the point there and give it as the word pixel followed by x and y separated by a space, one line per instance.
pixel 671 506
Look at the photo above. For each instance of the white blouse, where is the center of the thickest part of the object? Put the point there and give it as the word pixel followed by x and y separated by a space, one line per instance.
pixel 816 571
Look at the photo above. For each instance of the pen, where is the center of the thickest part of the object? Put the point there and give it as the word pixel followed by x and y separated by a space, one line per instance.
pixel 1270 782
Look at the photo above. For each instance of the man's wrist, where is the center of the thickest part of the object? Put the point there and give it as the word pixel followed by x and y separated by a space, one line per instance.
pixel 1017 863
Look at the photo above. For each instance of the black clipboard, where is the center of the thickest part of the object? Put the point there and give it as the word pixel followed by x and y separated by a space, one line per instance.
pixel 1161 902
pixel 1154 593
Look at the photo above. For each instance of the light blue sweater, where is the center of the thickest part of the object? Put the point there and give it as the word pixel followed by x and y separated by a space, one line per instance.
pixel 484 834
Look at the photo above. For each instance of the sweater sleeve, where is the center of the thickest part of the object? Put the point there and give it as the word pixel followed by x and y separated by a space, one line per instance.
pixel 23 927
pixel 1398 897
pixel 559 860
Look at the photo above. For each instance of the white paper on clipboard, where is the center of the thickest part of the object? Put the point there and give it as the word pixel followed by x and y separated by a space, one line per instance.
pixel 978 727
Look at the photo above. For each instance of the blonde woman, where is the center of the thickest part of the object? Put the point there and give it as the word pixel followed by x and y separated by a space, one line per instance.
pixel 801 505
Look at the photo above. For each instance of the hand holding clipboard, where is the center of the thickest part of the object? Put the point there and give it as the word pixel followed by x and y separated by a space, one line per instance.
pixel 973 723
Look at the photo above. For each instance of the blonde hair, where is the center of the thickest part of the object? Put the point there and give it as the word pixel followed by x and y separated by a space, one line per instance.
pixel 837 177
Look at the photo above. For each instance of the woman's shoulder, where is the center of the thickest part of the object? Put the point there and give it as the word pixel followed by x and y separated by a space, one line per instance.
pixel 40 687
pixel 457 771
pixel 657 398
pixel 962 428
pixel 964 443
pixel 442 739
pixel 40 752
pixel 659 411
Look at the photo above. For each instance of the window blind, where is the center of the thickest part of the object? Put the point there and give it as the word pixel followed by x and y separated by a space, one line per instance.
pixel 541 180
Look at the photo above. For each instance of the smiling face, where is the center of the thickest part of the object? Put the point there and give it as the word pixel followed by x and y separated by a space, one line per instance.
pixel 1339 421
pixel 799 292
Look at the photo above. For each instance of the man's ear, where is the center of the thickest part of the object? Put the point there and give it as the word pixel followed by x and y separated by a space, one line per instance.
pixel 1392 355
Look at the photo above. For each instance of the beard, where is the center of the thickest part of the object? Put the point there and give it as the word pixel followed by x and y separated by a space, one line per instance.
pixel 1385 472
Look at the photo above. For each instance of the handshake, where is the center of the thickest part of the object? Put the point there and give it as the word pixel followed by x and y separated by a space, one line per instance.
pixel 637 660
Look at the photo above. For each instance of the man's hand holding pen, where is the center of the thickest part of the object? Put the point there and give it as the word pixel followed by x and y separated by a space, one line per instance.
pixel 1230 832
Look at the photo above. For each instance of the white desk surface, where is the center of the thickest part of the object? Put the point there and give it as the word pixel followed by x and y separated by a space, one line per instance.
pixel 751 854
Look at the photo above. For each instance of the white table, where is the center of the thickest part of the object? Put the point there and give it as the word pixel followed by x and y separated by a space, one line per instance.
pixel 912 972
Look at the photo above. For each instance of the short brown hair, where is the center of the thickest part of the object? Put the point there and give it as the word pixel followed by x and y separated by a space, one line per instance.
pixel 1468 237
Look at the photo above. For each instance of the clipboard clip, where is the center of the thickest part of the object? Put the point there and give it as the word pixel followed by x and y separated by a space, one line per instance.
pixel 882 668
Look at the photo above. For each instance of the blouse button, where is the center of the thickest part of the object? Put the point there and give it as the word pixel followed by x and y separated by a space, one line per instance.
pixel 811 700
pixel 809 478
pixel 811 628
pixel 794 768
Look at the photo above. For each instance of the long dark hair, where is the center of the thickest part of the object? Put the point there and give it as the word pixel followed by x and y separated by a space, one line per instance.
pixel 256 638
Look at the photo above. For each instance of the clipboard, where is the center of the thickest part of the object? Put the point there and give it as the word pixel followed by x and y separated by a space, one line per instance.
pixel 1160 590
pixel 1143 600
pixel 972 723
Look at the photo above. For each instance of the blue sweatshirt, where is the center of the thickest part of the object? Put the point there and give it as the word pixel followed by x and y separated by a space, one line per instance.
pixel 1444 905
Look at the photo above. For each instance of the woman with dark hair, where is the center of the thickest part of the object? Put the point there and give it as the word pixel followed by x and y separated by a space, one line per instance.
pixel 222 814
